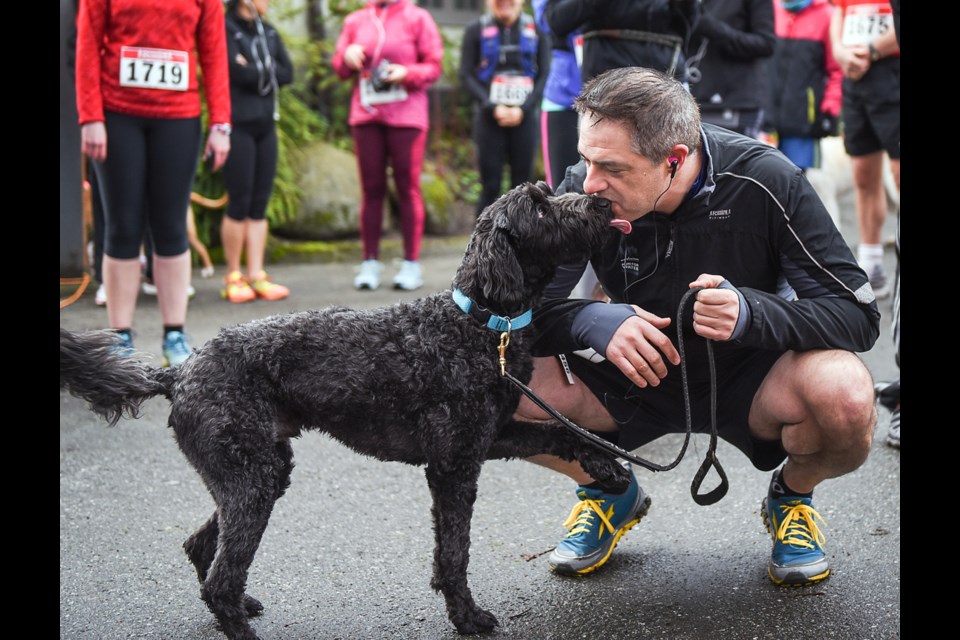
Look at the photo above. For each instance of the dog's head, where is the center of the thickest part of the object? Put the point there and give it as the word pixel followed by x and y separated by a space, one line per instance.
pixel 520 240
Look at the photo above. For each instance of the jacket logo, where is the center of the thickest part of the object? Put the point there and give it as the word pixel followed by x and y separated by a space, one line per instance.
pixel 720 214
pixel 630 264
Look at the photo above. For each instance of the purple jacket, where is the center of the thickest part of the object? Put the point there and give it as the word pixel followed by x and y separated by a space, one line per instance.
pixel 402 33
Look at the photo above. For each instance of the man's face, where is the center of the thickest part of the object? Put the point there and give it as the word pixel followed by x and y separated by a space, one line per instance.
pixel 616 172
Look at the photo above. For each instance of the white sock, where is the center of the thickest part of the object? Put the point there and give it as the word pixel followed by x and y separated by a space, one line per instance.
pixel 870 256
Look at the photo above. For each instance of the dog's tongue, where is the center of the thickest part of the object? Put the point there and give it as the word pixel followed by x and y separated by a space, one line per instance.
pixel 623 226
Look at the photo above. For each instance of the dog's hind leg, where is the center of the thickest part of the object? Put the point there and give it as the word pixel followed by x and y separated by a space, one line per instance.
pixel 201 548
pixel 245 495
pixel 202 545
pixel 454 490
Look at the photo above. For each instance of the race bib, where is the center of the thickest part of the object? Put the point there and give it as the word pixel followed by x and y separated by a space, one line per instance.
pixel 146 68
pixel 370 96
pixel 864 23
pixel 510 91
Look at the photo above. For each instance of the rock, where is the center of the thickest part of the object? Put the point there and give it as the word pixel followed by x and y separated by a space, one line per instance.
pixel 331 196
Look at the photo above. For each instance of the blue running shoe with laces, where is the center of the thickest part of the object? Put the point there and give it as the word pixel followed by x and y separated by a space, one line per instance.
pixel 176 349
pixel 596 524
pixel 798 559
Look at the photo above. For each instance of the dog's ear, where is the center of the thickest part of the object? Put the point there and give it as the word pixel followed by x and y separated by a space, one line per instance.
pixel 499 275
pixel 543 188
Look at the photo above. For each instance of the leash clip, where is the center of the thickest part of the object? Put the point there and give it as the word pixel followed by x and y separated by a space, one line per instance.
pixel 504 343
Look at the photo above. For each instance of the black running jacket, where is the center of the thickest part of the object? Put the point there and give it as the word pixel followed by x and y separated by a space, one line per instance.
pixel 757 222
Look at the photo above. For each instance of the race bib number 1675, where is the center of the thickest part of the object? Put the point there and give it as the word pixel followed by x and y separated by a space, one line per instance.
pixel 148 68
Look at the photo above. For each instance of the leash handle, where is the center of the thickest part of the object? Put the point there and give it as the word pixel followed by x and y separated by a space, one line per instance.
pixel 710 460
pixel 714 495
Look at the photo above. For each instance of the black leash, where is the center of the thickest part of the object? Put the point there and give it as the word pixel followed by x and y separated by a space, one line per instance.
pixel 710 460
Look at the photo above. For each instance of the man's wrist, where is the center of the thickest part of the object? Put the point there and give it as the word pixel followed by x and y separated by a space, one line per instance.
pixel 222 127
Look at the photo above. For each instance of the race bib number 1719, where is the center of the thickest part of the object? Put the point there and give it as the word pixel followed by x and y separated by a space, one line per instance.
pixel 147 68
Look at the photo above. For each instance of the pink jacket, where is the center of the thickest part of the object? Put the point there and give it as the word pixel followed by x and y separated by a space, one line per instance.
pixel 402 33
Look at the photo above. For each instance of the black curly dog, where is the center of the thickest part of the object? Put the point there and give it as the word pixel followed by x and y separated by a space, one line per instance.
pixel 417 382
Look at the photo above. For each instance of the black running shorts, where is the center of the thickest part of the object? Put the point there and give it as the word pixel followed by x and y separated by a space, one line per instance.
pixel 649 413
pixel 871 110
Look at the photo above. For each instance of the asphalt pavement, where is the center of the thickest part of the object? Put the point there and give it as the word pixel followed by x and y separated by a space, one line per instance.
pixel 348 552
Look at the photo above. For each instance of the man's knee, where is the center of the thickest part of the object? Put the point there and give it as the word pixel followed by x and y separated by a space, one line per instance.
pixel 841 397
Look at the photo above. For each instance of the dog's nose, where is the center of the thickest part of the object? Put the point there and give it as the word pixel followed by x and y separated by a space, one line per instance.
pixel 602 203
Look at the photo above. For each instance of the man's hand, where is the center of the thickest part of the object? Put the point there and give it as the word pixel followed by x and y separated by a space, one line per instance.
pixel 715 311
pixel 639 349
pixel 854 61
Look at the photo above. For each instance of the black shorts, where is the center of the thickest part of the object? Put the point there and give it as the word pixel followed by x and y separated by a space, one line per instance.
pixel 871 110
pixel 646 414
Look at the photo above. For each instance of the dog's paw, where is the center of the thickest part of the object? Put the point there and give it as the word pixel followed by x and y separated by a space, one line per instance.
pixel 606 470
pixel 252 606
pixel 477 621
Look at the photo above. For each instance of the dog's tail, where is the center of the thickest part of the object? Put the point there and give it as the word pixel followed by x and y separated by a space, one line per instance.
pixel 94 368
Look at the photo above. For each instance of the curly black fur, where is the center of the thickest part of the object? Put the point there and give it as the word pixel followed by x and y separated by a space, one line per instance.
pixel 416 382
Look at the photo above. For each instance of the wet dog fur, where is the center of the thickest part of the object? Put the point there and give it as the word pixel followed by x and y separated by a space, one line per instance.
pixel 416 382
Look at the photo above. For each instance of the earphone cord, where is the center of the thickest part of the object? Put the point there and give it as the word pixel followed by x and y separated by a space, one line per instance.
pixel 656 239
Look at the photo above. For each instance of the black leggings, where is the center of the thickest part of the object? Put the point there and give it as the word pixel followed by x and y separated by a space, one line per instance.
pixel 145 182
pixel 498 146
pixel 250 169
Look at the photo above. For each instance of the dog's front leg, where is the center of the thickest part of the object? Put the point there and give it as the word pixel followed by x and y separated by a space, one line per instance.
pixel 518 439
pixel 454 490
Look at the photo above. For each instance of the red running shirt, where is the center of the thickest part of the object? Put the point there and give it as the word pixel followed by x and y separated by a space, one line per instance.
pixel 140 58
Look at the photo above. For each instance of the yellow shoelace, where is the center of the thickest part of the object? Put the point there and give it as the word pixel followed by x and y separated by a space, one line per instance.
pixel 799 526
pixel 579 519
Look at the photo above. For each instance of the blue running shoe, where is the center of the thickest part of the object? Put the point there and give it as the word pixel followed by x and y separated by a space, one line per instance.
pixel 596 524
pixel 798 559
pixel 176 349
pixel 124 345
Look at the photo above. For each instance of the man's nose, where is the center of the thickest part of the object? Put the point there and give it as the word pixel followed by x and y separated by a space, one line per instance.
pixel 592 184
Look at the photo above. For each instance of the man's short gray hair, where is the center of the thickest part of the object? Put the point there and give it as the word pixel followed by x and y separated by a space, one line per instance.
pixel 657 108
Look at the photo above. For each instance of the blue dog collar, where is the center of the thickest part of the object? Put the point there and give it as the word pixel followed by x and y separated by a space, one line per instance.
pixel 492 321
